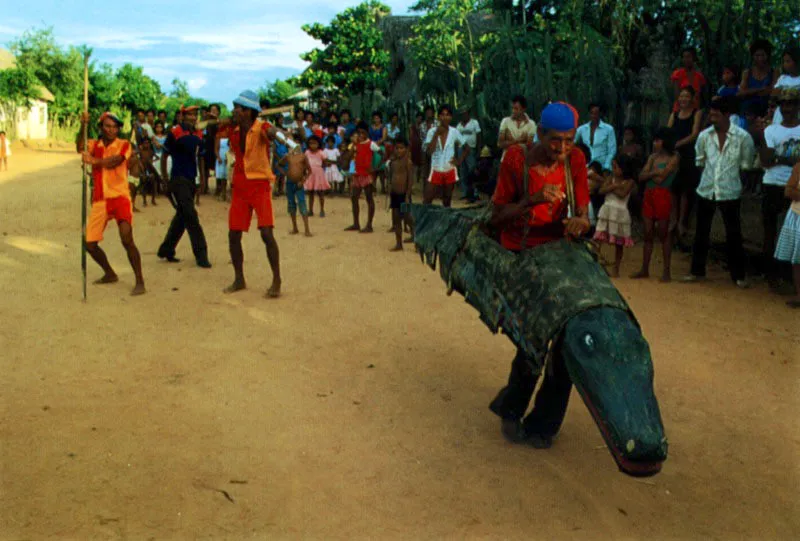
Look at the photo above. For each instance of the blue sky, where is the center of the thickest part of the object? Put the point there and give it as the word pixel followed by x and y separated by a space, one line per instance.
pixel 219 48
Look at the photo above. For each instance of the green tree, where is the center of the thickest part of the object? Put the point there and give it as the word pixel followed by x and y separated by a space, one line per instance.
pixel 353 59
pixel 278 92
pixel 180 89
pixel 59 70
pixel 18 87
pixel 138 90
pixel 445 39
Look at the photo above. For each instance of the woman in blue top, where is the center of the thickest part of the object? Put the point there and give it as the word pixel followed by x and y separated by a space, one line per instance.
pixel 377 131
pixel 758 81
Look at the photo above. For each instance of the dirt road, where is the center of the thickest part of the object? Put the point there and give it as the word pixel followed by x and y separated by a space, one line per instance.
pixel 355 406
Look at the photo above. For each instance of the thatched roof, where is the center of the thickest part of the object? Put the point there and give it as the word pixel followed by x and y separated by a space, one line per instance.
pixel 8 61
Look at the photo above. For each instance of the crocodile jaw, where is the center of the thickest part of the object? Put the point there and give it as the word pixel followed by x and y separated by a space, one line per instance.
pixel 609 363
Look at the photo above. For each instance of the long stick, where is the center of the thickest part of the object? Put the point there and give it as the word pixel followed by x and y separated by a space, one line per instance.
pixel 84 183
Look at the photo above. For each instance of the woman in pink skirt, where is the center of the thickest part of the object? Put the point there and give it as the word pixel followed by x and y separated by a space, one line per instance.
pixel 316 183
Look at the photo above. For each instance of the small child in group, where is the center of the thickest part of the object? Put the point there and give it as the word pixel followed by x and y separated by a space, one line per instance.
pixel 402 175
pixel 658 173
pixel 221 166
pixel 730 81
pixel 614 219
pixel 379 167
pixel 788 246
pixel 331 162
pixel 280 171
pixel 143 176
pixel 316 183
pixel 297 170
pixel 345 159
pixel 484 179
pixel 362 177
pixel 5 150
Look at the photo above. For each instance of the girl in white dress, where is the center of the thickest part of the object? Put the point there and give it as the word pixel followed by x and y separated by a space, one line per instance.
pixel 614 219
pixel 331 155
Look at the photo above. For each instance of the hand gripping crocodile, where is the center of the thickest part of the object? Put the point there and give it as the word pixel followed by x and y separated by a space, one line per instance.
pixel 556 296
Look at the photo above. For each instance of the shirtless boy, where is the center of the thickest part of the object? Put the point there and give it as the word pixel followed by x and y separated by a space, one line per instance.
pixel 297 172
pixel 402 181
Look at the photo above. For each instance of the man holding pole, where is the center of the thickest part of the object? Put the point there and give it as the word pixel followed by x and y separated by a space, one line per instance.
pixel 182 145
pixel 252 175
pixel 111 198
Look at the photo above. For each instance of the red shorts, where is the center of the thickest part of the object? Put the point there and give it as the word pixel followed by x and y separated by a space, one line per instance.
pixel 248 197
pixel 657 203
pixel 105 210
pixel 361 181
pixel 443 178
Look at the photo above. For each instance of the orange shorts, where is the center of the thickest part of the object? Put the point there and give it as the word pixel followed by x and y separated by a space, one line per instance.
pixel 443 178
pixel 657 203
pixel 105 210
pixel 248 197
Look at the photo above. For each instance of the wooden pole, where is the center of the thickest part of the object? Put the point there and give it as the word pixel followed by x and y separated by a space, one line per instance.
pixel 84 184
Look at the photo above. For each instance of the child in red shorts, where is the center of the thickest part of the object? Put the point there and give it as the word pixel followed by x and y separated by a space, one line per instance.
pixel 658 174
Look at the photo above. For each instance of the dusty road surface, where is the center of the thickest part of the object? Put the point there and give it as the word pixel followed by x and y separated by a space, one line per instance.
pixel 355 406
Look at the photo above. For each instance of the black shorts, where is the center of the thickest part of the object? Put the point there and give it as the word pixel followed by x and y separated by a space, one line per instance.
pixel 396 199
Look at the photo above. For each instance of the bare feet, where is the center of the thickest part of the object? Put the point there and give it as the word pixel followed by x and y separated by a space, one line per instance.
pixel 294 232
pixel 107 279
pixel 153 202
pixel 308 234
pixel 353 227
pixel 793 303
pixel 274 290
pixel 235 286
pixel 135 209
pixel 138 289
pixel 409 240
pixel 398 248
pixel 666 277
pixel 640 274
pixel 614 273
pixel 367 229
pixel 390 230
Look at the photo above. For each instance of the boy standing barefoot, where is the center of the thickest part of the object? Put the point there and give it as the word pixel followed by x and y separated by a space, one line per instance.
pixel 297 172
pixel 402 182
pixel 362 179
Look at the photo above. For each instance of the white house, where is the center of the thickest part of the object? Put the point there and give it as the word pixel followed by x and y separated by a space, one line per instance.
pixel 25 123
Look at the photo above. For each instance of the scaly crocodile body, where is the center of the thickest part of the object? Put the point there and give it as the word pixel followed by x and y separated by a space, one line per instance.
pixel 556 295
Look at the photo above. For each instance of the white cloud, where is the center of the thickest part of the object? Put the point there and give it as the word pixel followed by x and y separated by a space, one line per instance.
pixel 196 83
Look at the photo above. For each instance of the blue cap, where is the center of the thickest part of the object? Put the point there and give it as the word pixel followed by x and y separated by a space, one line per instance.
pixel 558 116
pixel 248 99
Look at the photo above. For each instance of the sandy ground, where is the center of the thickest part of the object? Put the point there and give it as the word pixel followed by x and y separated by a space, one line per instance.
pixel 355 406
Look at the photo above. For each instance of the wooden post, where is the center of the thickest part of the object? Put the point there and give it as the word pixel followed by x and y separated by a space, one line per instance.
pixel 84 184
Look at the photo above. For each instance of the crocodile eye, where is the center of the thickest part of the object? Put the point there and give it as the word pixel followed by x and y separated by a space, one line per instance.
pixel 589 341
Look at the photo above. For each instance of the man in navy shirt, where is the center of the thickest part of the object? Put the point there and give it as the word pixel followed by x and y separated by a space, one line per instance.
pixel 182 144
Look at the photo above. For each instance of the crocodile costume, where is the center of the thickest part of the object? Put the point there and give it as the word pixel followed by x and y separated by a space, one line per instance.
pixel 555 302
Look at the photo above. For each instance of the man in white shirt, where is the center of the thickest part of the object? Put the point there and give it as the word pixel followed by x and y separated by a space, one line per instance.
pixel 441 144
pixel 517 129
pixel 779 150
pixel 722 151
pixel 470 131
pixel 599 137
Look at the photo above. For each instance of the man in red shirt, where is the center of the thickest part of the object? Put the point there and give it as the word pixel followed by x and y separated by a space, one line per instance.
pixel 530 218
pixel 250 141
pixel 688 75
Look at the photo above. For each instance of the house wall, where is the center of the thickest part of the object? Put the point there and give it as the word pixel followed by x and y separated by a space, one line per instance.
pixel 30 123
